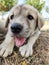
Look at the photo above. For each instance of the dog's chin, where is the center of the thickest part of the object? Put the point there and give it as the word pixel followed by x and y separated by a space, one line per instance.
pixel 20 40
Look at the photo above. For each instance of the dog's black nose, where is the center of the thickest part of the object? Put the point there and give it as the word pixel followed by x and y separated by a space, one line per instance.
pixel 16 28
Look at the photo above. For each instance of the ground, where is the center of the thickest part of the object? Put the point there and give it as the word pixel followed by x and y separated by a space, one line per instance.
pixel 39 57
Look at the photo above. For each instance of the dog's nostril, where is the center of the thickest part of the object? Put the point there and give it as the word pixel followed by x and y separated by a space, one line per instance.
pixel 16 28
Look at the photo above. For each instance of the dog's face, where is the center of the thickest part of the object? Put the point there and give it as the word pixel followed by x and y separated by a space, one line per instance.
pixel 22 22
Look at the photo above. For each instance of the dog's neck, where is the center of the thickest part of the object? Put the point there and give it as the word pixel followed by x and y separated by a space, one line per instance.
pixel 35 32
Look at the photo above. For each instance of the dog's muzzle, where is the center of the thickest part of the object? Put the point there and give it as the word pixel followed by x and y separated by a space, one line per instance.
pixel 16 30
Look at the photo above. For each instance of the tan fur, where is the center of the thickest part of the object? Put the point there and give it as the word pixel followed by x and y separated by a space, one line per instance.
pixel 20 16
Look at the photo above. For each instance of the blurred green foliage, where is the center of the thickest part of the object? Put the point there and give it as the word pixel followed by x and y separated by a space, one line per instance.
pixel 6 5
pixel 47 9
pixel 38 4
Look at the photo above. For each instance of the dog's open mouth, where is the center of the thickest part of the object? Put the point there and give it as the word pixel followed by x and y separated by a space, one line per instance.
pixel 19 41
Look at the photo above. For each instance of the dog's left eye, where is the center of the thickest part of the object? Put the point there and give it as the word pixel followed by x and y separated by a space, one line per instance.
pixel 30 17
pixel 12 16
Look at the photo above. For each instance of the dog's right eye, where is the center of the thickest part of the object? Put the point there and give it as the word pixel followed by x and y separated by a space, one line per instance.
pixel 12 16
pixel 30 17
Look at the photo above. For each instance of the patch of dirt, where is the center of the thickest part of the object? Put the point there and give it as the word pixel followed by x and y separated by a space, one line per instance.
pixel 39 57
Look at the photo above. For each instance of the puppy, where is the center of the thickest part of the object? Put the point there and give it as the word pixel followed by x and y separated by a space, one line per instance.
pixel 24 23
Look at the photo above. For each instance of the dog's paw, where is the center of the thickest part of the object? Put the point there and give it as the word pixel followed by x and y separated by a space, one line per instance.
pixel 26 51
pixel 5 50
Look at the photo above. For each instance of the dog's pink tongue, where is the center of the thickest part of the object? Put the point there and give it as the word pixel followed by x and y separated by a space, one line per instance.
pixel 19 41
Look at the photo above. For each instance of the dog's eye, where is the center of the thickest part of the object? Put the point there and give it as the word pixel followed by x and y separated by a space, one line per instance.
pixel 12 16
pixel 30 17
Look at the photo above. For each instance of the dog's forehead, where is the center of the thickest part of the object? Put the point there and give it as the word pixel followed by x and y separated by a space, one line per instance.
pixel 24 9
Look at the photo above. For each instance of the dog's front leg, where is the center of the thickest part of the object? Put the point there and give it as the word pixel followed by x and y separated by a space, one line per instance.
pixel 27 50
pixel 6 47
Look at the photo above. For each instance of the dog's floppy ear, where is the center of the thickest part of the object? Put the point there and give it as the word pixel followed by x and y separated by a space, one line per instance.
pixel 39 21
pixel 7 22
